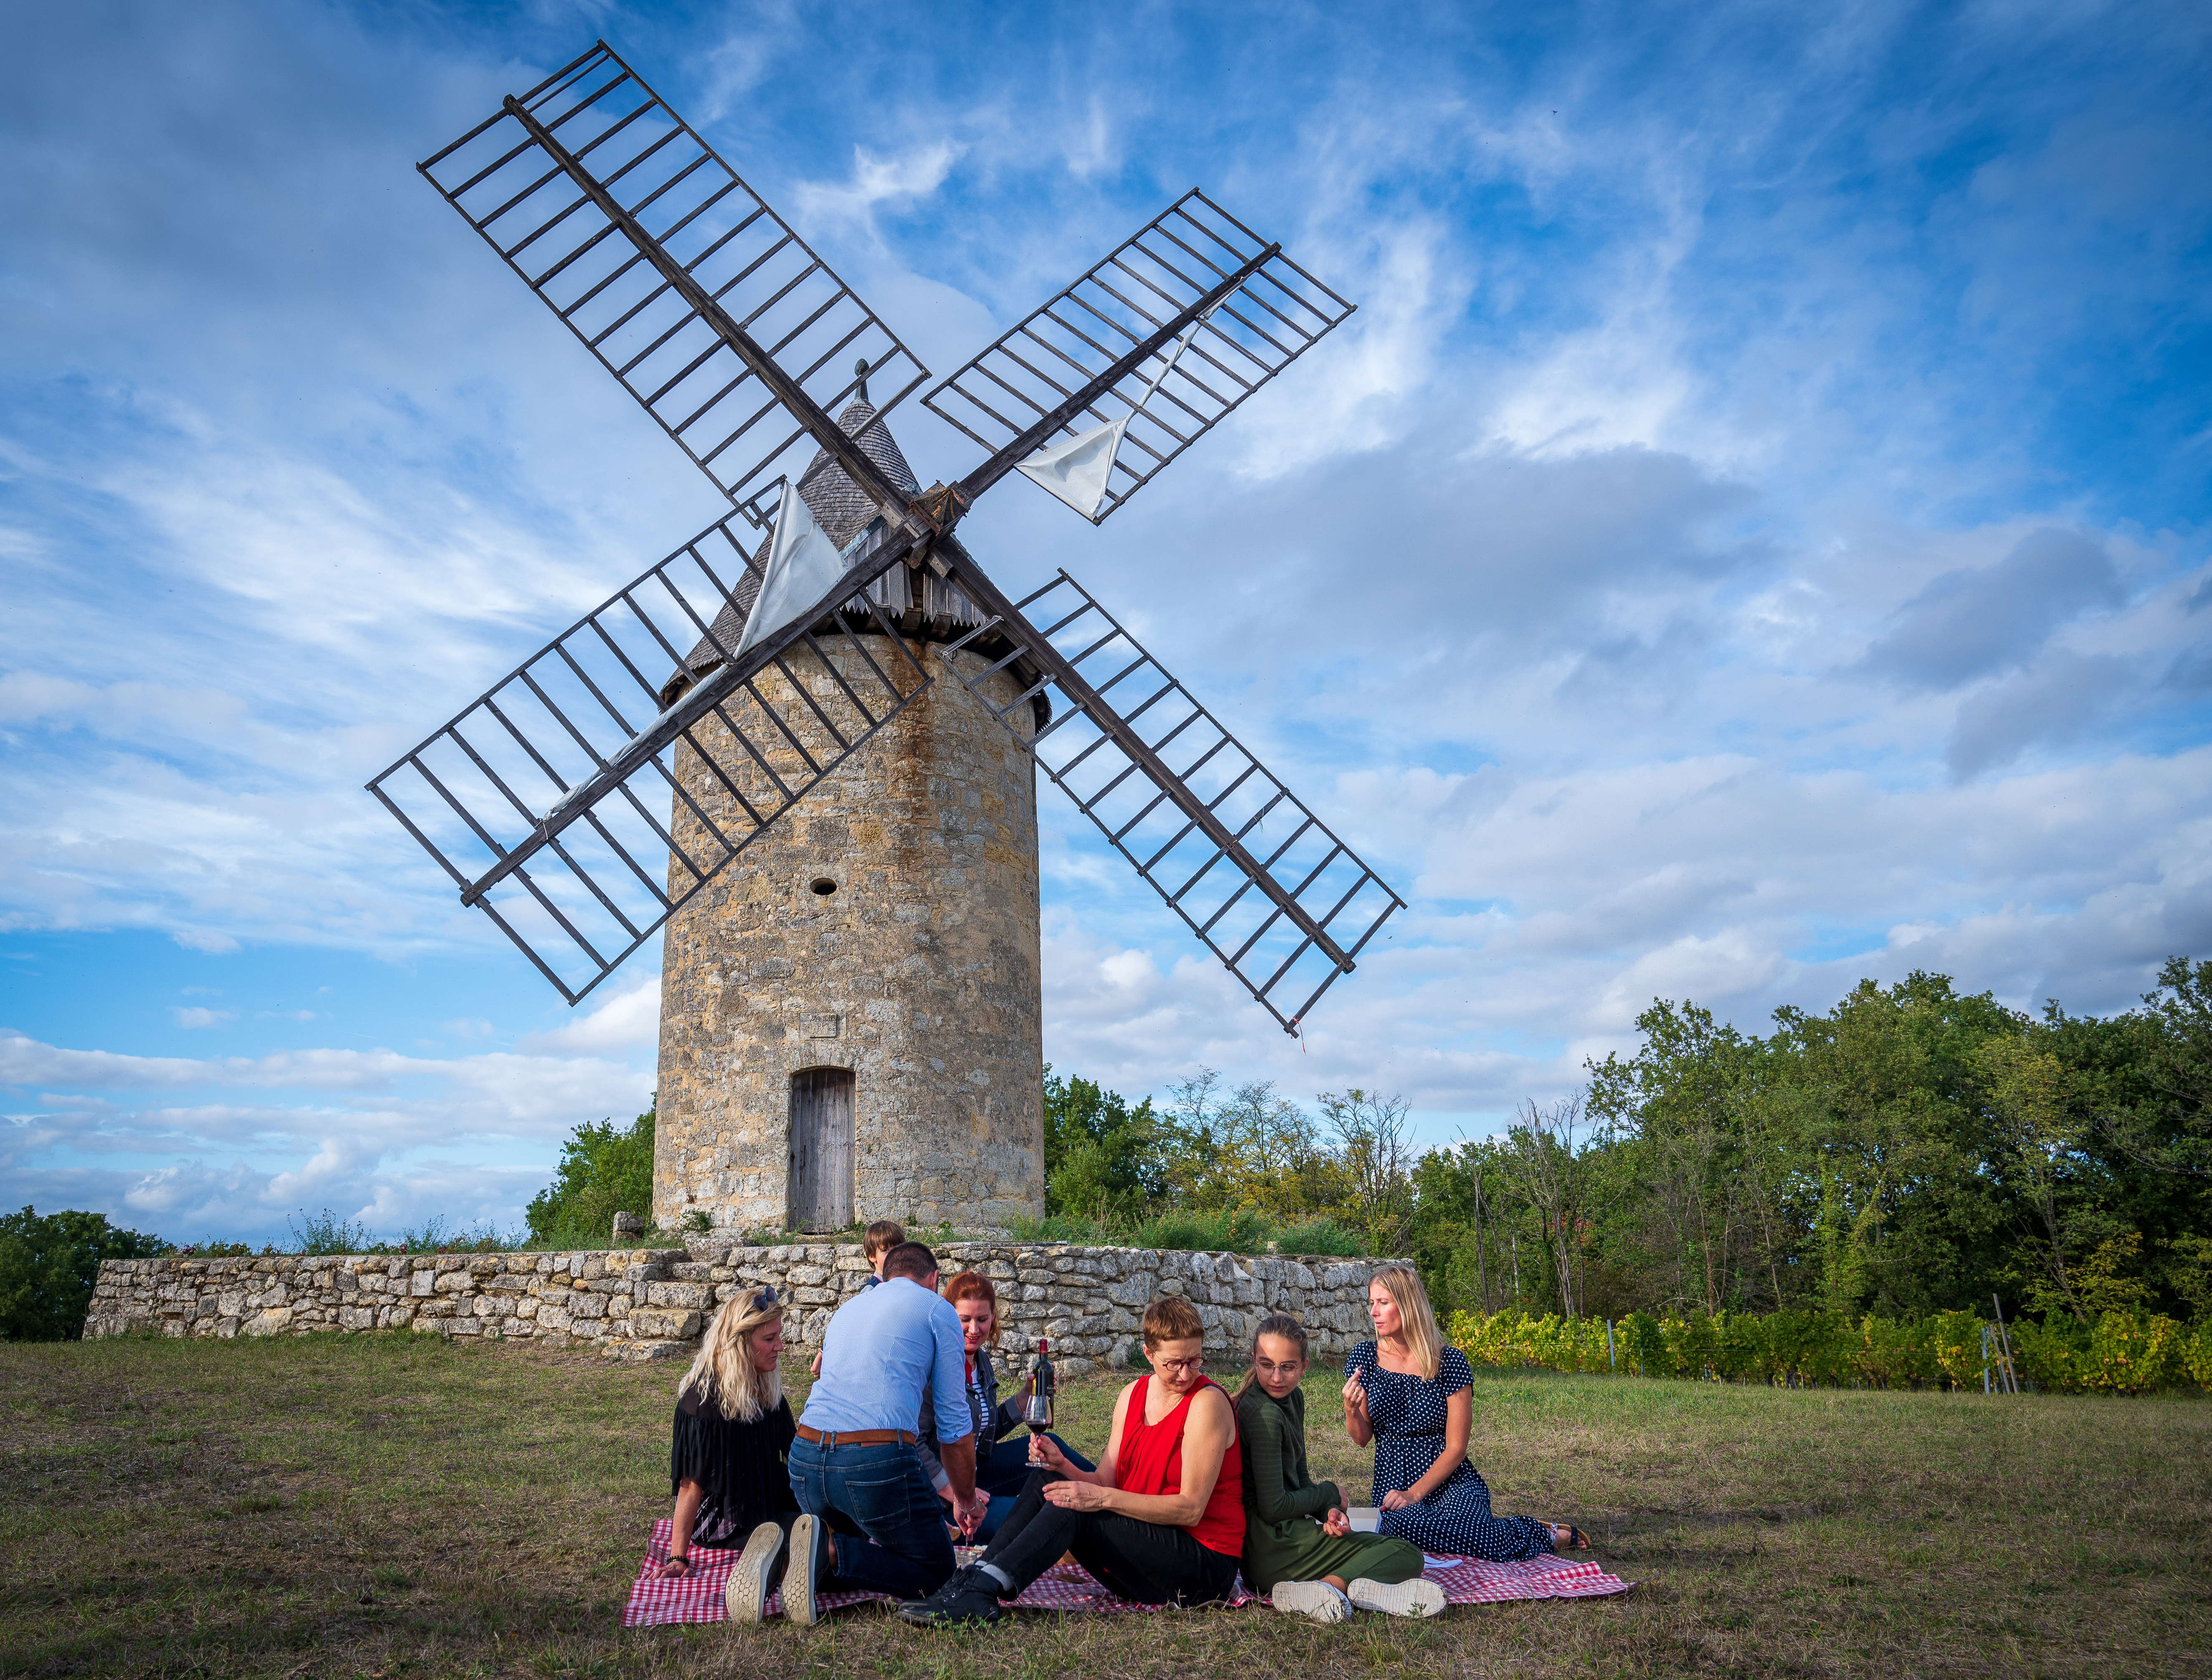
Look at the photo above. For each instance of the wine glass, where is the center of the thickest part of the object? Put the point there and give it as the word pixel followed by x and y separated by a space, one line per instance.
pixel 1036 1413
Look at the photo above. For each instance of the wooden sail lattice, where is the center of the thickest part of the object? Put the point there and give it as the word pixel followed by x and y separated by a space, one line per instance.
pixel 1149 820
pixel 1274 315
pixel 570 251
pixel 541 799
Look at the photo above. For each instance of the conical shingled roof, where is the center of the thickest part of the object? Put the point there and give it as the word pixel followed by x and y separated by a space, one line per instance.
pixel 838 506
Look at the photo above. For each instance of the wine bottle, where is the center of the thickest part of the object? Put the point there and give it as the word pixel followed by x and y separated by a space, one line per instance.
pixel 1036 1410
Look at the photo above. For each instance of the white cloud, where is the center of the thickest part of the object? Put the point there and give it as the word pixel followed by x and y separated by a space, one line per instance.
pixel 197 1017
pixel 629 1020
pixel 210 940
pixel 877 180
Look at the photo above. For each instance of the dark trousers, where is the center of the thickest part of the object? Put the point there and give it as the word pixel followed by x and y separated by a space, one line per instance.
pixel 887 1517
pixel 1003 1476
pixel 1147 1563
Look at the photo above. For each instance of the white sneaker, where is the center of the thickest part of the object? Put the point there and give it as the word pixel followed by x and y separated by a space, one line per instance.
pixel 747 1593
pixel 1315 1600
pixel 798 1604
pixel 1418 1596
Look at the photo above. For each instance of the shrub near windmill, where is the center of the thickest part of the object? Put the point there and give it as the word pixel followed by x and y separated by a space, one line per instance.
pixel 851 995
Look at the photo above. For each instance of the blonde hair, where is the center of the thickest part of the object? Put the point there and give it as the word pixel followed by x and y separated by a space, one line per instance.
pixel 724 1368
pixel 1417 1320
pixel 1275 1323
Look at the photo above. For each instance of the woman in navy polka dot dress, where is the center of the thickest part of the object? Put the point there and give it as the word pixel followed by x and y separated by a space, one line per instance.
pixel 1412 1396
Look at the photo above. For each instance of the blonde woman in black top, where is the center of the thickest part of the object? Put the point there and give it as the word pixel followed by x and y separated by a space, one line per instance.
pixel 728 1461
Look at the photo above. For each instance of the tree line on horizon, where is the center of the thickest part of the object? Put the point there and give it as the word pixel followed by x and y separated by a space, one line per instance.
pixel 1913 1151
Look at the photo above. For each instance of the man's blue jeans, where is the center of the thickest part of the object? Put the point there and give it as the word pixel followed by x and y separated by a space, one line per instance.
pixel 889 1522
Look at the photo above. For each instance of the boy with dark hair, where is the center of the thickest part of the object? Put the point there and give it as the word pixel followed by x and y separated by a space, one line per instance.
pixel 877 1240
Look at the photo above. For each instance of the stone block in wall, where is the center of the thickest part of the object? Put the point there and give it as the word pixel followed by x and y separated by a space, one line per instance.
pixel 656 1324
pixel 648 1350
pixel 690 1295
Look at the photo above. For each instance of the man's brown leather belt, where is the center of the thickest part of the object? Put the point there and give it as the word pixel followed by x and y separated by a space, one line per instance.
pixel 836 1438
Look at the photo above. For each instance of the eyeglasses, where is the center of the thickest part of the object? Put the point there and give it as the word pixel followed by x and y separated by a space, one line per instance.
pixel 765 1299
pixel 1179 1366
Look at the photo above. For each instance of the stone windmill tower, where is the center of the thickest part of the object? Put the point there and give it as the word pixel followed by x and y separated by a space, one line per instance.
pixel 829 807
pixel 850 1015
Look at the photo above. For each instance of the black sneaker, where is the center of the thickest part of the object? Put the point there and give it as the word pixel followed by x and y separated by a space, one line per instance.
pixel 970 1597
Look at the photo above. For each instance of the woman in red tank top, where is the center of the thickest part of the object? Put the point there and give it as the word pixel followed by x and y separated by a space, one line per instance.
pixel 1160 1521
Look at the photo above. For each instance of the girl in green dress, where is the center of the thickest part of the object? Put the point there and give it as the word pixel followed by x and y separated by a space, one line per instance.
pixel 1298 1544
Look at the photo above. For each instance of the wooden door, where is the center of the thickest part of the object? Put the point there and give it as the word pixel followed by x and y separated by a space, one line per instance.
pixel 821 1149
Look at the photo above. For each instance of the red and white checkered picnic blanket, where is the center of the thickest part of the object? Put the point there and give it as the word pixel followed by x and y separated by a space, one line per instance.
pixel 1466 1580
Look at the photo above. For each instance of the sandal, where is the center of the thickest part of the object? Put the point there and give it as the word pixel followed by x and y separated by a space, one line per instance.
pixel 1576 1540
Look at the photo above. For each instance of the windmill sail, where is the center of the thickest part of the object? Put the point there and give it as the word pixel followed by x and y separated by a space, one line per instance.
pixel 1078 470
pixel 571 243
pixel 545 799
pixel 1285 904
pixel 1274 316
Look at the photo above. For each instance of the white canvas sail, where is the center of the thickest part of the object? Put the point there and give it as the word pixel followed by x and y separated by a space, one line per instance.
pixel 802 565
pixel 1076 471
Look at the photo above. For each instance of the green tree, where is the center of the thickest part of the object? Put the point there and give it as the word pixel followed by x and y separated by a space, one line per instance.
pixel 1102 1159
pixel 1247 1148
pixel 604 1170
pixel 49 1265
pixel 1709 1128
pixel 1905 1128
pixel 1375 1159
pixel 2178 1064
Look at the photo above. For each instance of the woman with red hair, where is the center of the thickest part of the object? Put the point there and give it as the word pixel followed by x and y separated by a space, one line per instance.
pixel 1001 1471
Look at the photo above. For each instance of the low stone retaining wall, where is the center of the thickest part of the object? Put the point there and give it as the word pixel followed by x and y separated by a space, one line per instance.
pixel 651 1303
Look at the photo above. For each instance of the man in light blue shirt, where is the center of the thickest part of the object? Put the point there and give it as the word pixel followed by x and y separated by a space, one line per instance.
pixel 854 1465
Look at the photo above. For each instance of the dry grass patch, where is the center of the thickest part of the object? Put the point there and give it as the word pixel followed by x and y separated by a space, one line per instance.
pixel 389 1506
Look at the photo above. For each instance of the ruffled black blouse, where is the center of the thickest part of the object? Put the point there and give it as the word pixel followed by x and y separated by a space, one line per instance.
pixel 744 1468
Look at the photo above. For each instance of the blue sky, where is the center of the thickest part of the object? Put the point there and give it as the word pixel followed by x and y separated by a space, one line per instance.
pixel 1752 535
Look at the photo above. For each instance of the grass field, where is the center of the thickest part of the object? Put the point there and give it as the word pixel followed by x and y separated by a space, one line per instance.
pixel 390 1506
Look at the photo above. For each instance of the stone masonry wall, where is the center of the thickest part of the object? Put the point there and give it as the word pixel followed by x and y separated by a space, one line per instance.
pixel 651 1303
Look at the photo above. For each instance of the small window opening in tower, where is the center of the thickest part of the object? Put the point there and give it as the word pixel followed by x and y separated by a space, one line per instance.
pixel 824 886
